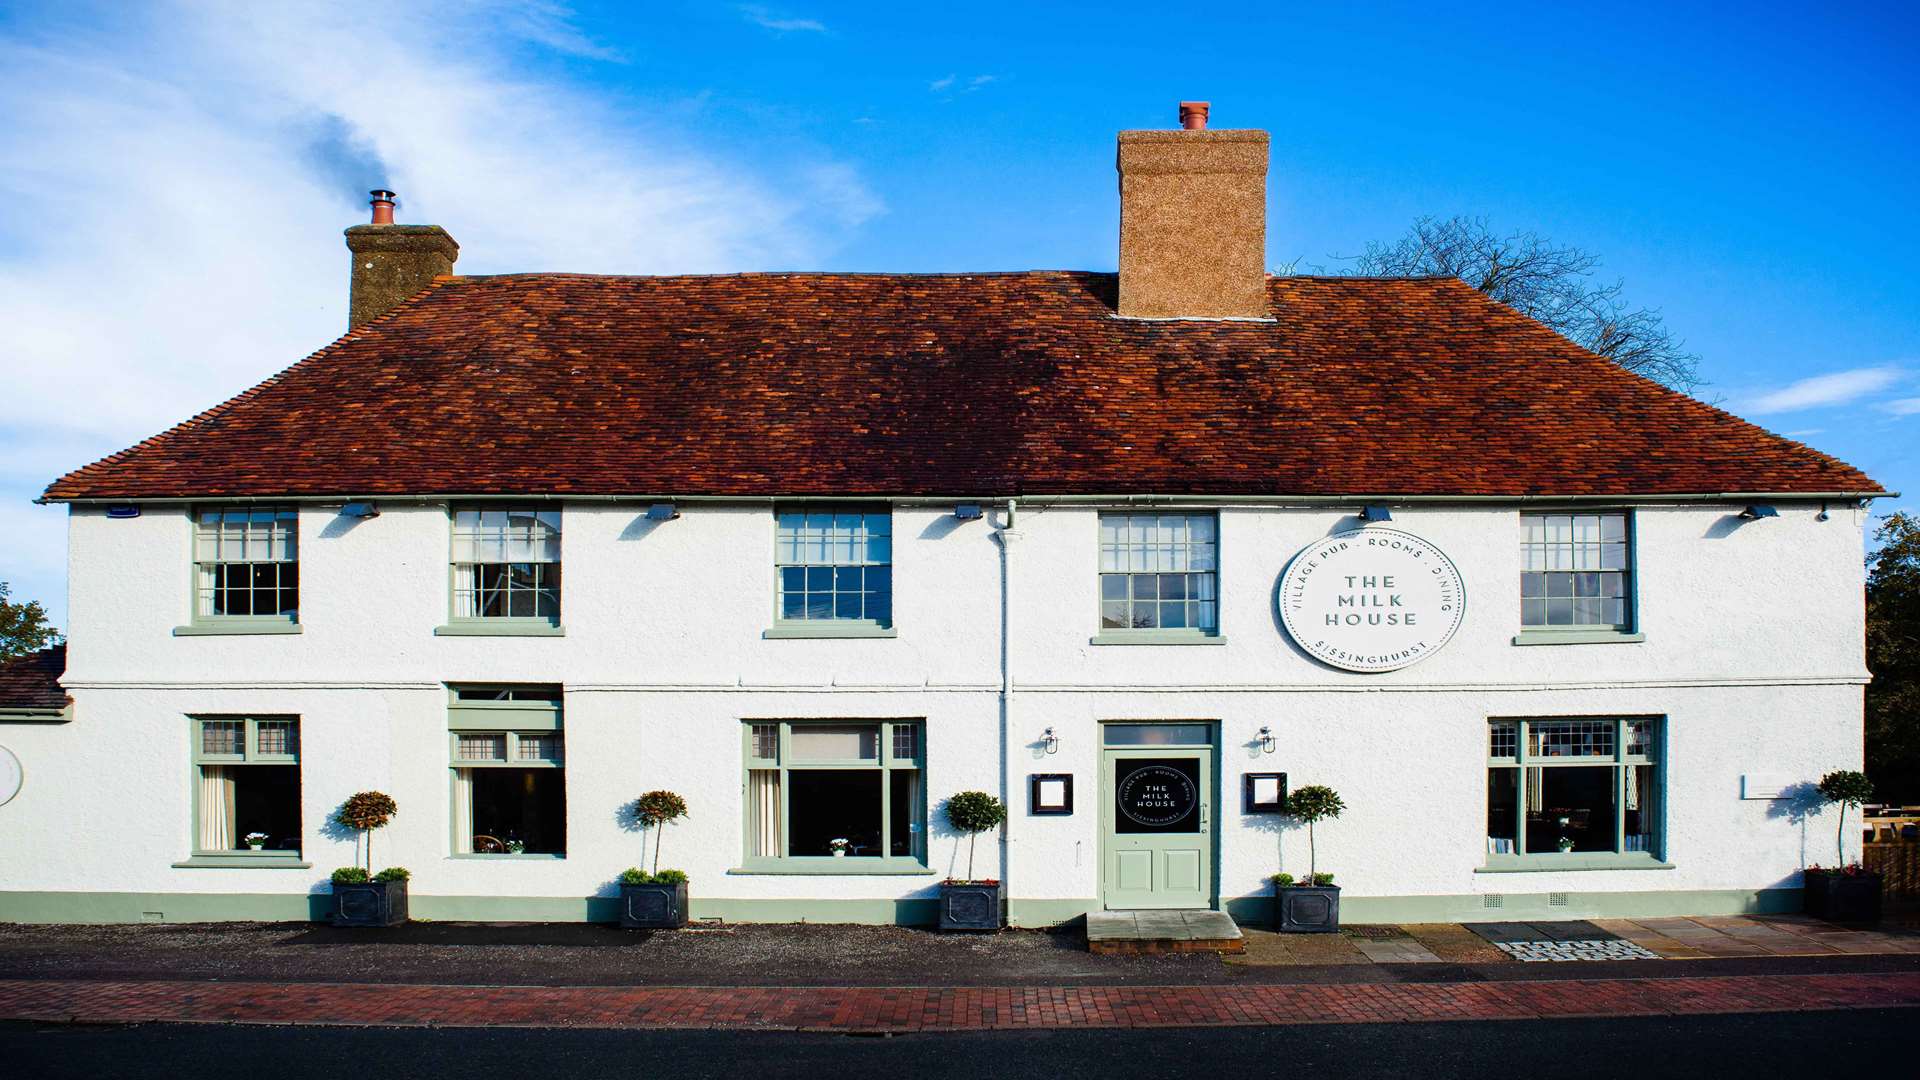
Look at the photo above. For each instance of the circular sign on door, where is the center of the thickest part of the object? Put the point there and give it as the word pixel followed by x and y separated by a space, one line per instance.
pixel 11 776
pixel 1371 599
pixel 1157 796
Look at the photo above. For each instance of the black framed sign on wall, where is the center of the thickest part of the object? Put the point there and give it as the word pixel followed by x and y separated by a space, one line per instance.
pixel 1266 792
pixel 1050 793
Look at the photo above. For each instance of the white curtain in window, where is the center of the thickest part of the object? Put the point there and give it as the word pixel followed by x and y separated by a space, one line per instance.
pixel 216 809
pixel 463 811
pixel 763 812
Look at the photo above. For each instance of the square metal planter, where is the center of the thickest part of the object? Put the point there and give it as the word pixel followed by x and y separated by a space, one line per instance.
pixel 1843 898
pixel 971 907
pixel 1307 909
pixel 376 903
pixel 653 907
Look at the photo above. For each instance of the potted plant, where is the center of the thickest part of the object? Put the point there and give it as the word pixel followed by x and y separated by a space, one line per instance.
pixel 656 900
pixel 840 845
pixel 256 841
pixel 968 903
pixel 360 897
pixel 1309 905
pixel 1849 892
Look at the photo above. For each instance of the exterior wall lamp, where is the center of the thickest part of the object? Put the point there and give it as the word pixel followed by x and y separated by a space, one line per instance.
pixel 1375 513
pixel 969 512
pixel 360 510
pixel 1266 740
pixel 1758 511
pixel 662 512
pixel 1050 742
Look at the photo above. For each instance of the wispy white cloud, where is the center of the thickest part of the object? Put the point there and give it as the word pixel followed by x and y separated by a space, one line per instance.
pixel 968 85
pixel 1902 406
pixel 200 161
pixel 1822 391
pixel 1803 433
pixel 783 23
pixel 938 85
pixel 979 81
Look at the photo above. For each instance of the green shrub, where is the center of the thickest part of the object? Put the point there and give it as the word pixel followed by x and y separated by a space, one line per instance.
pixel 670 877
pixel 974 812
pixel 1846 788
pixel 364 812
pixel 392 873
pixel 653 810
pixel 1310 804
pixel 1281 880
pixel 350 875
pixel 633 875
pixel 1286 881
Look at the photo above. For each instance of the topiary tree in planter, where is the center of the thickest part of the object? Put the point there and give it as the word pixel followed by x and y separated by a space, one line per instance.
pixel 1848 892
pixel 974 812
pixel 972 904
pixel 361 897
pixel 1310 905
pixel 364 812
pixel 657 900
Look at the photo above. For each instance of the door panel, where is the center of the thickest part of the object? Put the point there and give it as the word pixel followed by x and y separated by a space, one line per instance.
pixel 1156 828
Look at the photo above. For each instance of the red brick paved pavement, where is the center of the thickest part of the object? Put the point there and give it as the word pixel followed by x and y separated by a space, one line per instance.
pixel 898 1009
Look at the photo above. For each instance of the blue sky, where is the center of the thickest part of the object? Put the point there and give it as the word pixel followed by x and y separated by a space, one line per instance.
pixel 175 176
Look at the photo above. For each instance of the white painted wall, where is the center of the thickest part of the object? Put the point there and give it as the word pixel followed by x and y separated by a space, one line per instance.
pixel 1753 651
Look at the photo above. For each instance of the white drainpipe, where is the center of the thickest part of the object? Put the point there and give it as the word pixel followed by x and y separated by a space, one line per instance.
pixel 1006 535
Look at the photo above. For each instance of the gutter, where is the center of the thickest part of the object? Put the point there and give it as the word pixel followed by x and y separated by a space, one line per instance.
pixel 1276 500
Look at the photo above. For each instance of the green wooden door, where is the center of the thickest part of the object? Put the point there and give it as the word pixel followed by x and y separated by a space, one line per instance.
pixel 1156 819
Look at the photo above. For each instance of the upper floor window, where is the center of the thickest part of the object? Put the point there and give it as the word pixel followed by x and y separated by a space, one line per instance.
pixel 246 562
pixel 1159 572
pixel 1574 571
pixel 506 563
pixel 835 565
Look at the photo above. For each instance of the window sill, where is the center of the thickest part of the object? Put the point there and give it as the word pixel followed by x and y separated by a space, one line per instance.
pixel 851 866
pixel 238 626
pixel 547 855
pixel 501 628
pixel 1156 637
pixel 243 861
pixel 1544 636
pixel 1592 860
pixel 826 629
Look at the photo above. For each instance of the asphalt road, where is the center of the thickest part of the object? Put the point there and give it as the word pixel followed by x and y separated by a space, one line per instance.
pixel 1697 1048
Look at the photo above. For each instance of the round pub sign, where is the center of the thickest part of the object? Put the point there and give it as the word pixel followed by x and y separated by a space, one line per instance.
pixel 1371 599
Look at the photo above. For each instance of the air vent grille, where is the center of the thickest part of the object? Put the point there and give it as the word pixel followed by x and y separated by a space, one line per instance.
pixel 1556 899
pixel 1492 900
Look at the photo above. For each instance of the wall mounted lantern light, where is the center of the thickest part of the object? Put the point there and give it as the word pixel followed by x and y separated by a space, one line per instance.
pixel 662 512
pixel 1266 740
pixel 1375 513
pixel 123 511
pixel 1758 511
pixel 969 512
pixel 360 510
pixel 1050 742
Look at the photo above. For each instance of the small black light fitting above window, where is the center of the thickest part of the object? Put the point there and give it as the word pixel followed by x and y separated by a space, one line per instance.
pixel 1375 513
pixel 360 510
pixel 662 512
pixel 969 512
pixel 1758 511
pixel 1266 740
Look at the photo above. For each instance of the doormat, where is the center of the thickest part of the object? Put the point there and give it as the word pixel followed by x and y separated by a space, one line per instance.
pixel 1374 933
pixel 1536 952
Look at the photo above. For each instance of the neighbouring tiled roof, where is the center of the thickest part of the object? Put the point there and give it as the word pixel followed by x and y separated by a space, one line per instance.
pixel 32 681
pixel 954 384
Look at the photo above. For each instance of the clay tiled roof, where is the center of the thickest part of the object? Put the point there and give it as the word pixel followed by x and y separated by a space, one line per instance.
pixel 974 384
pixel 33 681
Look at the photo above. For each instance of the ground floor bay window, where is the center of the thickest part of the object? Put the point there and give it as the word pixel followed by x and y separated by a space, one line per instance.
pixel 834 796
pixel 246 797
pixel 509 772
pixel 1573 791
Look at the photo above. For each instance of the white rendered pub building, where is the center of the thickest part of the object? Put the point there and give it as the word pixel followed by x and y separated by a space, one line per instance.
pixel 1136 552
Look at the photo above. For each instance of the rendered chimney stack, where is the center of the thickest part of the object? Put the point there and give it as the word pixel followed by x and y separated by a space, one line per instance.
pixel 392 262
pixel 1193 221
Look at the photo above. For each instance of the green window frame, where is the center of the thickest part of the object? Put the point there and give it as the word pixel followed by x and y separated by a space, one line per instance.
pixel 233 793
pixel 1576 572
pixel 788 759
pixel 1159 576
pixel 505 570
pixel 833 571
pixel 246 567
pixel 492 729
pixel 1538 768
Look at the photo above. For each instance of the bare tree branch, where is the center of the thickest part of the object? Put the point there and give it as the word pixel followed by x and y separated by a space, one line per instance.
pixel 1550 282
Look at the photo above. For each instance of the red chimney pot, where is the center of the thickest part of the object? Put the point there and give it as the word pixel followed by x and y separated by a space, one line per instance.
pixel 382 206
pixel 1193 115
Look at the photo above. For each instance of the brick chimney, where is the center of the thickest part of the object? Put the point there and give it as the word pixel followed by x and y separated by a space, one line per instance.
pixel 1193 221
pixel 392 262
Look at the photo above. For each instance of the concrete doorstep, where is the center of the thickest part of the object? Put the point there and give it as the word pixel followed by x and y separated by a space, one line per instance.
pixel 1146 932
